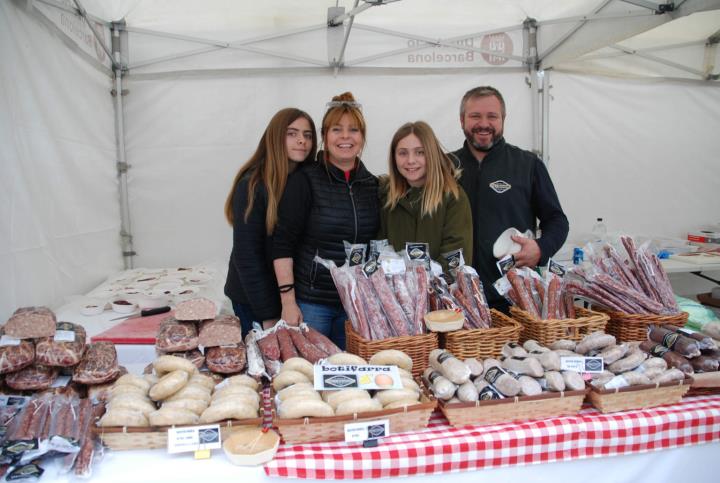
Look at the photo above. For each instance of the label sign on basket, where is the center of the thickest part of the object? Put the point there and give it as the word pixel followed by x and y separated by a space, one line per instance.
pixel 582 364
pixel 329 377
pixel 367 430
pixel 194 438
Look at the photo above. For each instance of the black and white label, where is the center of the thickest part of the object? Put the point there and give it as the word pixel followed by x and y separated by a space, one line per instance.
pixel 367 430
pixel 331 377
pixel 506 264
pixel 556 268
pixel 582 364
pixel 194 438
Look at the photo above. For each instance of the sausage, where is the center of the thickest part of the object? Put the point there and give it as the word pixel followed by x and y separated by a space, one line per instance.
pixel 422 298
pixel 307 350
pixel 269 346
pixel 440 385
pixel 672 358
pixel 595 340
pixel 525 301
pixel 320 341
pixel 628 363
pixel 523 366
pixel 705 364
pixel 390 305
pixel 569 306
pixel 402 293
pixel 502 381
pixel 553 297
pixel 452 368
pixel 679 343
pixel 703 341
pixel 287 348
pixel 379 328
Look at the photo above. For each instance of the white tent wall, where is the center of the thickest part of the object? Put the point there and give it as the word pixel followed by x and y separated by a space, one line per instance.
pixel 642 154
pixel 59 220
pixel 188 135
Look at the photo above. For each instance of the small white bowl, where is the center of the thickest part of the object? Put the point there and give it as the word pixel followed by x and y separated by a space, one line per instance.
pixel 242 441
pixel 92 309
pixel 444 320
pixel 123 308
pixel 151 299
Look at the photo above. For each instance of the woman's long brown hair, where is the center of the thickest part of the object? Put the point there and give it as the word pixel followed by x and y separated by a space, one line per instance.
pixel 269 165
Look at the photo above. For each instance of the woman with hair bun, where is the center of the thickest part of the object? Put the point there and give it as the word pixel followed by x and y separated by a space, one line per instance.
pixel 421 199
pixel 251 208
pixel 329 202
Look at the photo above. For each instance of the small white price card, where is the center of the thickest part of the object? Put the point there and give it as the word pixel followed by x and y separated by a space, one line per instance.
pixel 582 364
pixel 194 438
pixel 64 336
pixel 330 377
pixel 367 430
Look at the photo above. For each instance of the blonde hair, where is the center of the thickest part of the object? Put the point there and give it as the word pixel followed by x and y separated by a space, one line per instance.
pixel 440 172
pixel 339 106
pixel 270 165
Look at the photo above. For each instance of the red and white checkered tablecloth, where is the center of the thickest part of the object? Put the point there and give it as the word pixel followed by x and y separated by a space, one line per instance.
pixel 444 449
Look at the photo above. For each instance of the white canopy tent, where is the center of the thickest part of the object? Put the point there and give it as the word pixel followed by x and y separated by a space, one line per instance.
pixel 620 98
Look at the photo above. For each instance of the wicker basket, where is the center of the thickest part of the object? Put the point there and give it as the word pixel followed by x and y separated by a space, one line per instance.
pixel 634 327
pixel 482 343
pixel 121 438
pixel 519 408
pixel 638 397
pixel 548 331
pixel 418 347
pixel 310 430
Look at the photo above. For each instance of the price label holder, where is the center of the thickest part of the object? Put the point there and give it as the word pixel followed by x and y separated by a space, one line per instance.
pixel 592 365
pixel 197 439
pixel 330 377
pixel 367 432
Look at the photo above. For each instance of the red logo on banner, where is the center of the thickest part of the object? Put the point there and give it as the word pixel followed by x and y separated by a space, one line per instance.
pixel 500 43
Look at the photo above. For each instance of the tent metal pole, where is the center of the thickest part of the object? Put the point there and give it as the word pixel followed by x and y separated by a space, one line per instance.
pixel 570 32
pixel 126 237
pixel 596 17
pixel 644 50
pixel 99 39
pixel 530 52
pixel 351 14
pixel 653 58
pixel 546 117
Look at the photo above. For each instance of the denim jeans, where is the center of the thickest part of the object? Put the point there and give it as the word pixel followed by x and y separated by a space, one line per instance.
pixel 247 317
pixel 326 319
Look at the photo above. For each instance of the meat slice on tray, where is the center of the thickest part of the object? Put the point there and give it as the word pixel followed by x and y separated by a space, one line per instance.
pixel 15 357
pixel 196 309
pixel 65 348
pixel 32 378
pixel 98 365
pixel 223 330
pixel 31 322
pixel 176 336
pixel 227 359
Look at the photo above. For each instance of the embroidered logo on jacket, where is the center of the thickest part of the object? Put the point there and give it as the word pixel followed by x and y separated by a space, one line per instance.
pixel 500 186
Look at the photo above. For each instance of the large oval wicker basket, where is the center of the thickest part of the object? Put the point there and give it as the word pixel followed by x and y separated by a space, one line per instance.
pixel 545 332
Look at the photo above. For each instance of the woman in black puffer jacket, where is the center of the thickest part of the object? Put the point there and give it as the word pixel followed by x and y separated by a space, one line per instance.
pixel 251 208
pixel 324 204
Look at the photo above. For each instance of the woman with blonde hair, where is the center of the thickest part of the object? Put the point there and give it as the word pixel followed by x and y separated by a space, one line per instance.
pixel 421 198
pixel 325 204
pixel 251 208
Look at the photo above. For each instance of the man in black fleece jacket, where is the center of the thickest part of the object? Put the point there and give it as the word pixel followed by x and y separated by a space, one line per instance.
pixel 507 187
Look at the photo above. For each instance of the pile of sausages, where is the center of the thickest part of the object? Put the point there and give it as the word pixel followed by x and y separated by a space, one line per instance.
pixel 61 424
pixel 636 284
pixel 683 349
pixel 381 305
pixel 282 342
pixel 542 297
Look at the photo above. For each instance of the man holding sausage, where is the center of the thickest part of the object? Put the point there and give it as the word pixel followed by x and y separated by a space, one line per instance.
pixel 507 187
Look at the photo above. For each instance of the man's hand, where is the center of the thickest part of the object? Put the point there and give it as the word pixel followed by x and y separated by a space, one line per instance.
pixel 529 255
pixel 291 314
pixel 268 323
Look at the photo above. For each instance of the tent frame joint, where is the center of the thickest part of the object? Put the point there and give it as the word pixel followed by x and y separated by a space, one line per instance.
pixel 122 167
pixel 123 92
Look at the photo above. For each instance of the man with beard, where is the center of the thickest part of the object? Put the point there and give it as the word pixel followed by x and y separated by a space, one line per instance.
pixel 507 187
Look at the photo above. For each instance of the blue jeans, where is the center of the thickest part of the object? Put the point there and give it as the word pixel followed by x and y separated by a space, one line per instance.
pixel 247 317
pixel 326 319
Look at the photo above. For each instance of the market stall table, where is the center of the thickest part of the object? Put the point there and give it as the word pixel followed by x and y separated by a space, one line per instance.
pixel 666 443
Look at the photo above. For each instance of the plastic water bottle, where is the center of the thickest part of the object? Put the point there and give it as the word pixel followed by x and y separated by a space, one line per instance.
pixel 599 230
